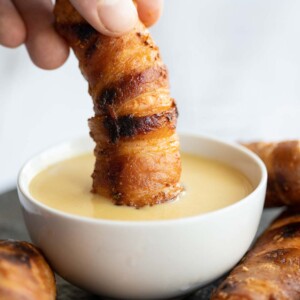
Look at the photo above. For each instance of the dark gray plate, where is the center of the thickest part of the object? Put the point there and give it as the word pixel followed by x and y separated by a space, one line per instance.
pixel 13 227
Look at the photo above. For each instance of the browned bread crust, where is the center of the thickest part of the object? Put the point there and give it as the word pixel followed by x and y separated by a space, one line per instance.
pixel 24 273
pixel 271 269
pixel 283 164
pixel 137 148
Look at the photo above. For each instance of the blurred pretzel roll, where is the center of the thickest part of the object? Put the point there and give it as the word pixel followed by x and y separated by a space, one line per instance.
pixel 282 160
pixel 24 273
pixel 271 269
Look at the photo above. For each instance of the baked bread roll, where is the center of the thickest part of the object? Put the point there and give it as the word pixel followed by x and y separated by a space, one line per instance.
pixel 283 164
pixel 271 269
pixel 24 273
pixel 137 148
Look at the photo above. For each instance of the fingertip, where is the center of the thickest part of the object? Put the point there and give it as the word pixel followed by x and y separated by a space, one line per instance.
pixel 12 29
pixel 52 63
pixel 13 39
pixel 149 11
pixel 48 51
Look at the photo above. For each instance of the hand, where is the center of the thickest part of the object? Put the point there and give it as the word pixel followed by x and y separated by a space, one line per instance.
pixel 31 22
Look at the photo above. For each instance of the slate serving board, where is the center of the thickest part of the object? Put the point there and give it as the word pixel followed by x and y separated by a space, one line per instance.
pixel 13 227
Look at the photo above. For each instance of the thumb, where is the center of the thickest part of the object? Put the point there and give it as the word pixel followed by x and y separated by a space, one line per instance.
pixel 110 17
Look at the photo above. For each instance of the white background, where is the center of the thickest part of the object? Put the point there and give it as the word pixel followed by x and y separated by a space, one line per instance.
pixel 234 69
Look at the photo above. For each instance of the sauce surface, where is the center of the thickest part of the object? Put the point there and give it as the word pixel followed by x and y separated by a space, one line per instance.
pixel 209 185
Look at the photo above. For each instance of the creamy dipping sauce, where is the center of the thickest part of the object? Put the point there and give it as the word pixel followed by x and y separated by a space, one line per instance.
pixel 209 185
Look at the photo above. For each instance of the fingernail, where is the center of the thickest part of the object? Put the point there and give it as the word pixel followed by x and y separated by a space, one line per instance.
pixel 117 16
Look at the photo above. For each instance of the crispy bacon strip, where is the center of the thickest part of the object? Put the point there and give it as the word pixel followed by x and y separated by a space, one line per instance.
pixel 137 148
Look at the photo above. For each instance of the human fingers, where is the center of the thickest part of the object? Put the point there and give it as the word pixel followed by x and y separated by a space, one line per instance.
pixel 110 17
pixel 149 11
pixel 12 27
pixel 46 48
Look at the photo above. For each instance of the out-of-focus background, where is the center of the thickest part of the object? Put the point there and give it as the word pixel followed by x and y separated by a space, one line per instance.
pixel 234 70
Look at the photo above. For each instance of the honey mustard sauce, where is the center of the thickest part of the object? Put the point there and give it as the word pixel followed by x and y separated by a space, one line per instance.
pixel 209 185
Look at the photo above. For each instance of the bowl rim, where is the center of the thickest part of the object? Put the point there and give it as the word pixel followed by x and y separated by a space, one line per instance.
pixel 202 217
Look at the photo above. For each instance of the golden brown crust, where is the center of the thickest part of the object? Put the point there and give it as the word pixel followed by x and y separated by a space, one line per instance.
pixel 283 164
pixel 24 273
pixel 137 149
pixel 271 269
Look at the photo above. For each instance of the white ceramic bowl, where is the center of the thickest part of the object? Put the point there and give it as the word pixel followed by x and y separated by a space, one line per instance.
pixel 148 259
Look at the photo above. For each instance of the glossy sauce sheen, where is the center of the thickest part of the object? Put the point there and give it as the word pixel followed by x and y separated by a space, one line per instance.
pixel 209 185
